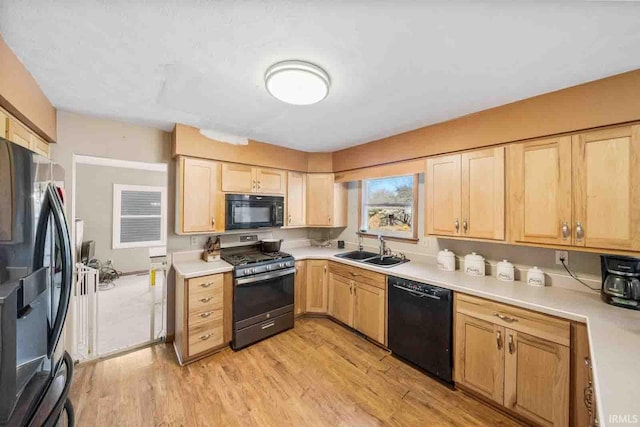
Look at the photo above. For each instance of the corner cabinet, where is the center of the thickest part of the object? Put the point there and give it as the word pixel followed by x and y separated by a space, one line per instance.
pixel 237 178
pixel 203 315
pixel 317 286
pixel 464 194
pixel 357 298
pixel 199 201
pixel 296 199
pixel 514 357
pixel 326 201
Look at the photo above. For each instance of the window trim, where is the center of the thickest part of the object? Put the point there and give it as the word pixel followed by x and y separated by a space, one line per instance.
pixel 117 216
pixel 414 238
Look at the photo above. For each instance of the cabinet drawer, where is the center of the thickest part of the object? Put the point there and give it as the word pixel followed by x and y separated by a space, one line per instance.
pixel 361 275
pixel 205 336
pixel 204 315
pixel 205 285
pixel 518 319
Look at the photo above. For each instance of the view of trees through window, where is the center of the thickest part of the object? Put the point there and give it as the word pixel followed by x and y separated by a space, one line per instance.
pixel 387 206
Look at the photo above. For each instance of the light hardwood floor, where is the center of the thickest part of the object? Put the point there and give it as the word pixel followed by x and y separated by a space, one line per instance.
pixel 316 374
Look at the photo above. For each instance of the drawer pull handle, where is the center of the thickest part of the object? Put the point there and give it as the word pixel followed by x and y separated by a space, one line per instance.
pixel 206 285
pixel 512 347
pixel 268 325
pixel 506 318
pixel 499 340
pixel 205 337
pixel 353 274
pixel 207 314
pixel 207 299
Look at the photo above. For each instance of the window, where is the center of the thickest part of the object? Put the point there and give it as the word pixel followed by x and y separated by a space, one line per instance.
pixel 139 216
pixel 388 206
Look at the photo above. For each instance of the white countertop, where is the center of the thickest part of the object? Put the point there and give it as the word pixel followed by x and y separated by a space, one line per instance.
pixel 614 333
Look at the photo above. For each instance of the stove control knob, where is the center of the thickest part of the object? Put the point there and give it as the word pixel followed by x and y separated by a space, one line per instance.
pixel 251 270
pixel 268 267
pixel 281 265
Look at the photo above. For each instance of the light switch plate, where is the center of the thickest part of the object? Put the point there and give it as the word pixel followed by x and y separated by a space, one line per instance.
pixel 194 240
pixel 562 254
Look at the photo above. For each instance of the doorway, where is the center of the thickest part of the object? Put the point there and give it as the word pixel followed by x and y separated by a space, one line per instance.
pixel 120 231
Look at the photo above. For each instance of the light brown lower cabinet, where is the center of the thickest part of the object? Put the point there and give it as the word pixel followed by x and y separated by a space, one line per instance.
pixel 203 315
pixel 517 358
pixel 317 286
pixel 300 289
pixel 357 298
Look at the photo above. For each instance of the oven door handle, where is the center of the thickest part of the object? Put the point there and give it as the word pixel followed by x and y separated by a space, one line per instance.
pixel 265 276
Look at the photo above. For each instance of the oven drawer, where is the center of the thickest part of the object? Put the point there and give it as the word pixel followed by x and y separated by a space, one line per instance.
pixel 257 332
pixel 205 336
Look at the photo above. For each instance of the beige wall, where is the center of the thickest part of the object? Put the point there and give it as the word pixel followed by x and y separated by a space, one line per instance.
pixel 586 265
pixel 94 205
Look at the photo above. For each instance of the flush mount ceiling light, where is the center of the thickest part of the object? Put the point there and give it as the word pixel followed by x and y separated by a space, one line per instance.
pixel 297 82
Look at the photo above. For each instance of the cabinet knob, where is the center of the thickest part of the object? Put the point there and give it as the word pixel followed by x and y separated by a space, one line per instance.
pixel 507 319
pixel 499 340
pixel 259 185
pixel 457 225
pixel 579 232
pixel 565 230
pixel 206 314
pixel 206 285
pixel 205 337
pixel 465 225
pixel 205 300
pixel 253 186
pixel 213 222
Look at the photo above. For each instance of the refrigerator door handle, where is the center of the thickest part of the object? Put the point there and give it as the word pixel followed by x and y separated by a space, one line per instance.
pixel 52 207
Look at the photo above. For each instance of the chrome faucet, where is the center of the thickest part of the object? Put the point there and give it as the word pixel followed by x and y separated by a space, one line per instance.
pixel 360 242
pixel 383 248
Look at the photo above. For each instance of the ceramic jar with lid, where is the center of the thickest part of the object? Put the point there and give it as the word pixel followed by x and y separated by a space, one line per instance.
pixel 505 271
pixel 535 277
pixel 446 260
pixel 474 264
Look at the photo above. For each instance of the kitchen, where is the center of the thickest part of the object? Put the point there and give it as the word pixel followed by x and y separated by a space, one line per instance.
pixel 453 260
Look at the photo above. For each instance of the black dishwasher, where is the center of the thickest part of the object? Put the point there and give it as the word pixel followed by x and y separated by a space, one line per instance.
pixel 420 325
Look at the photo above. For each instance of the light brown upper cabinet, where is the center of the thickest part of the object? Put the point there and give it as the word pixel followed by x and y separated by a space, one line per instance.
pixel 18 133
pixel 238 178
pixel 3 125
pixel 14 131
pixel 606 188
pixel 296 199
pixel 540 191
pixel 465 194
pixel 326 201
pixel 200 202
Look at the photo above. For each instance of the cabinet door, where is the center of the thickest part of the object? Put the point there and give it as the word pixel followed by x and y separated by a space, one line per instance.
pixel 317 292
pixel 369 315
pixel 536 383
pixel 300 288
pixel 479 356
pixel 19 134
pixel 270 181
pixel 39 145
pixel 238 178
pixel 296 198
pixel 540 191
pixel 341 299
pixel 606 188
pixel 483 193
pixel 442 195
pixel 340 214
pixel 202 204
pixel 320 199
pixel 3 125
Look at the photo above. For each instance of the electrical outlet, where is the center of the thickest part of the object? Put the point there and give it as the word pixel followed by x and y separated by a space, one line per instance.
pixel 194 240
pixel 562 255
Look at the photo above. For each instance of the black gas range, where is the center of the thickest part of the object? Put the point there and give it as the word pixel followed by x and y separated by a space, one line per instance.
pixel 262 294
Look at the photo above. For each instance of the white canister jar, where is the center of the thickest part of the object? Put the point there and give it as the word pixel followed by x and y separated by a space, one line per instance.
pixel 446 260
pixel 505 271
pixel 474 264
pixel 535 277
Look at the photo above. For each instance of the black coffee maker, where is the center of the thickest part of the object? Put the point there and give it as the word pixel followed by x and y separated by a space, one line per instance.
pixel 621 281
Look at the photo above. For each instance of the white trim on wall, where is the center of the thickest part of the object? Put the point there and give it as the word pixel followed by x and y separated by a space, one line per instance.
pixel 128 164
pixel 117 216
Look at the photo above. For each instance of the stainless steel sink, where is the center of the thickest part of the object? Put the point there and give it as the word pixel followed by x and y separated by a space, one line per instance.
pixel 357 255
pixel 387 261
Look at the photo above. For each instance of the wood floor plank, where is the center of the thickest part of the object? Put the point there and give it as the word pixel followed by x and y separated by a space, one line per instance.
pixel 317 374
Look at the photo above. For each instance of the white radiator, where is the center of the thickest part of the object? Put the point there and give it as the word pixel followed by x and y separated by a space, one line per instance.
pixel 86 311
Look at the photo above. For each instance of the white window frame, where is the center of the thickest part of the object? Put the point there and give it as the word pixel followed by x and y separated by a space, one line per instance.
pixel 117 216
pixel 364 219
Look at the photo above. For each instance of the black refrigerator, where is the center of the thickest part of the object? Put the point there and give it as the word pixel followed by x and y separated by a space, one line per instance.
pixel 36 270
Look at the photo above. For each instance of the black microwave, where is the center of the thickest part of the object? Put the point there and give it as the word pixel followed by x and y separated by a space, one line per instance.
pixel 248 211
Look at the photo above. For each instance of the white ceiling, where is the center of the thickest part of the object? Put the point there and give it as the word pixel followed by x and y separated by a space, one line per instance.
pixel 394 65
